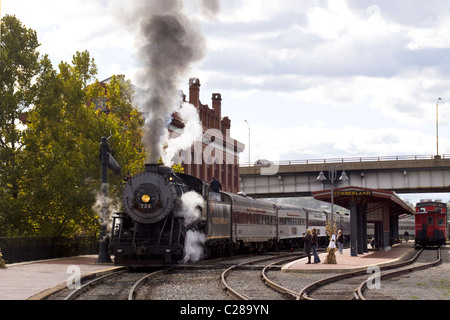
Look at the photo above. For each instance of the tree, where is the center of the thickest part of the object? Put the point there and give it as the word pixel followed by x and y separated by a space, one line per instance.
pixel 19 65
pixel 50 171
pixel 63 140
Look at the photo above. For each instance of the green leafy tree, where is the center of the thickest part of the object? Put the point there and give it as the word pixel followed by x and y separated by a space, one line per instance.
pixel 50 171
pixel 19 64
pixel 63 141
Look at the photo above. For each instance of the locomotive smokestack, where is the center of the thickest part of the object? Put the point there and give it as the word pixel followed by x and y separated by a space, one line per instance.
pixel 158 168
pixel 152 167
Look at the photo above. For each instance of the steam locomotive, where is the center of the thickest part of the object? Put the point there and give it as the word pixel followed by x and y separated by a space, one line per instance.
pixel 167 214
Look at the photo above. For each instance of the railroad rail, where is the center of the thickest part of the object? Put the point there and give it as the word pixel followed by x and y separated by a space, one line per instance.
pixel 90 284
pixel 363 286
pixel 273 284
pixel 233 292
pixel 305 293
pixel 133 291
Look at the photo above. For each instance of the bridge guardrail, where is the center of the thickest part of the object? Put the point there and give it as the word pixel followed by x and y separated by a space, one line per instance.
pixel 355 159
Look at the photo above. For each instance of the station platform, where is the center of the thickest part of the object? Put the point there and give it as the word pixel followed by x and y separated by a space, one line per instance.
pixel 347 263
pixel 31 280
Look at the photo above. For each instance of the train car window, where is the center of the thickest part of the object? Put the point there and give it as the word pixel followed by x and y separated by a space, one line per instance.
pixel 440 221
pixel 429 220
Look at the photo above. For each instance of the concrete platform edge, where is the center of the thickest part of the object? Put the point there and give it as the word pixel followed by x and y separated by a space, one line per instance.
pixel 48 292
pixel 286 267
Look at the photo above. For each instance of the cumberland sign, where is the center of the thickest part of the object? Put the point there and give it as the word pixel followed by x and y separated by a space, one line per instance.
pixel 352 193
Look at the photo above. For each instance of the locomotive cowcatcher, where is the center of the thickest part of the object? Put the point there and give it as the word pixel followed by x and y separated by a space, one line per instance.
pixel 430 223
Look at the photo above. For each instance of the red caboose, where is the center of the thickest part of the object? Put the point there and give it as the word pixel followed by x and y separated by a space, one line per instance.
pixel 430 223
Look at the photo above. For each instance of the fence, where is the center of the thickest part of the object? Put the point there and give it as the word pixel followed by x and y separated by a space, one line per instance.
pixel 29 249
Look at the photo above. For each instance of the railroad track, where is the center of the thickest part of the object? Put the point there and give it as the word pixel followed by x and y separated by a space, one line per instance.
pixel 246 280
pixel 249 280
pixel 351 285
pixel 416 267
pixel 113 286
pixel 175 283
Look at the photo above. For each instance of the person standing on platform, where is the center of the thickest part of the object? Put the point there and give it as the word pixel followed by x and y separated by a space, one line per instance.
pixel 307 244
pixel 314 245
pixel 340 241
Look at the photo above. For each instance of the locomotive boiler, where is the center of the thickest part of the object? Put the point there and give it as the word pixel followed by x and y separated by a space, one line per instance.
pixel 149 231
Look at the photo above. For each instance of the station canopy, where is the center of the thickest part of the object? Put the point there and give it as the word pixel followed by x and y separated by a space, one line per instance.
pixel 375 199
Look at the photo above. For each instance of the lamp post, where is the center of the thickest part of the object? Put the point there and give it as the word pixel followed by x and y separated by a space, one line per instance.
pixel 248 125
pixel 437 129
pixel 332 176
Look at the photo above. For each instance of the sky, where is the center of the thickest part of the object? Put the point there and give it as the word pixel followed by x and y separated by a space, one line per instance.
pixel 314 79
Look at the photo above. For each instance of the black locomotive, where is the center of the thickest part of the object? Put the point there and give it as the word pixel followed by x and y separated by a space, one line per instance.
pixel 166 210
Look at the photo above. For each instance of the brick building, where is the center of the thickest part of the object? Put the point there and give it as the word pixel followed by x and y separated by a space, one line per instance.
pixel 217 155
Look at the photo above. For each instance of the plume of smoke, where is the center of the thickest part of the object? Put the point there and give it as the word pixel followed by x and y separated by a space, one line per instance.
pixel 168 43
pixel 210 7
pixel 192 132
pixel 104 206
pixel 193 243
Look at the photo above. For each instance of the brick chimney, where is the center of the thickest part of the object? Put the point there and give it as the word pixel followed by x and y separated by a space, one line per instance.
pixel 226 125
pixel 217 107
pixel 194 91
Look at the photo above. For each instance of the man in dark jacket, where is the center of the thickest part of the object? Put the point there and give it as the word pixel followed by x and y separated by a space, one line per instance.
pixel 315 245
pixel 215 185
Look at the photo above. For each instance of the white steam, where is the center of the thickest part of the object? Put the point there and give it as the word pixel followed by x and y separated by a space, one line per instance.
pixel 193 246
pixel 192 132
pixel 191 202
pixel 104 206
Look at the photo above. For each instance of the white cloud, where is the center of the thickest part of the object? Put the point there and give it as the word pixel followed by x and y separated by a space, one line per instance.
pixel 318 142
pixel 325 70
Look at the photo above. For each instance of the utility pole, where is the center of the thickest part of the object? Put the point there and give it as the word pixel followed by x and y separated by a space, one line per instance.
pixel 249 161
pixel 437 129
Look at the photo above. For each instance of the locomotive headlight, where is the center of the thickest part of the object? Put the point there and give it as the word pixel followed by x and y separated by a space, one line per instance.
pixel 145 198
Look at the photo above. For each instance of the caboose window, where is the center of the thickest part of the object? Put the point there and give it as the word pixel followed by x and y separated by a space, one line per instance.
pixel 429 220
pixel 440 221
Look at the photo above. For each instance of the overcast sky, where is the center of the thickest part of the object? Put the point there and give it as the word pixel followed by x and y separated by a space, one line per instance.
pixel 315 79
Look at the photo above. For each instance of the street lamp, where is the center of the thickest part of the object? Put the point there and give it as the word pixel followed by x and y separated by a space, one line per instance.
pixel 332 175
pixel 437 129
pixel 249 161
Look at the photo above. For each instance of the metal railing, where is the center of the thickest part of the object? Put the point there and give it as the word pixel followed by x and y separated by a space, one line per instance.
pixel 348 160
